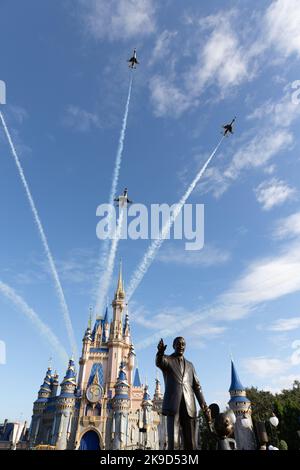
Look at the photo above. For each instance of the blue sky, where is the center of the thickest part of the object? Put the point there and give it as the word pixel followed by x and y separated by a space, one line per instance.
pixel 64 64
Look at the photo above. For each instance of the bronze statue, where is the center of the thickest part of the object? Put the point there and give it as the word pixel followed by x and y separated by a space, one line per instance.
pixel 222 427
pixel 181 384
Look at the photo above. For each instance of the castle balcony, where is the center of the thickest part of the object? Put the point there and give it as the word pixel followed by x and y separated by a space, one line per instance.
pixel 91 421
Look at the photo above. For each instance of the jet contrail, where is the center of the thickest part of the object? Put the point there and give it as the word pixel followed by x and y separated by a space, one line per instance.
pixel 59 290
pixel 43 329
pixel 107 274
pixel 156 244
pixel 101 293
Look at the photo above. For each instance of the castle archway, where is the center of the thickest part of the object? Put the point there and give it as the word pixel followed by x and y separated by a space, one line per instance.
pixel 89 441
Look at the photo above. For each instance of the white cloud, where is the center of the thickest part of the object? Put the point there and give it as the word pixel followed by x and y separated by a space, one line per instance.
pixel 282 382
pixel 264 366
pixel 281 113
pixel 167 98
pixel 269 170
pixel 229 52
pixel 281 26
pixel 80 119
pixel 119 19
pixel 170 321
pixel 273 193
pixel 258 151
pixel 222 59
pixel 273 368
pixel 163 46
pixel 285 324
pixel 18 113
pixel 208 256
pixel 266 279
pixel 288 227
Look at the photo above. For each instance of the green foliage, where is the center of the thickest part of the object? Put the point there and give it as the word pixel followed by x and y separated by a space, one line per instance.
pixel 262 403
pixel 286 406
pixel 207 440
pixel 283 445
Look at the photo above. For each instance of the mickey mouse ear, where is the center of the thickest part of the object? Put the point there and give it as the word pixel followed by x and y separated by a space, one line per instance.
pixel 215 410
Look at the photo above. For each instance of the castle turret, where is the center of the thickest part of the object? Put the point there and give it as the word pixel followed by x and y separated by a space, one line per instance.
pixel 147 418
pixel 120 404
pixel 39 406
pixel 65 408
pixel 126 329
pixel 105 335
pixel 158 397
pixel 118 348
pixel 55 384
pixel 131 359
pixel 241 406
pixel 159 420
pixel 86 346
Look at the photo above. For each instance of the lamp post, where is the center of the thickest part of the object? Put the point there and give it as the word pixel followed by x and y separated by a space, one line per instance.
pixel 262 434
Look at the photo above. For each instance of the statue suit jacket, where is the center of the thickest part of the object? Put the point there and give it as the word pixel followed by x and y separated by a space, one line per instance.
pixel 179 384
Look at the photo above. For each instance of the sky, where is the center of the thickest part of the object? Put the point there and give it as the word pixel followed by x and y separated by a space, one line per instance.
pixel 201 64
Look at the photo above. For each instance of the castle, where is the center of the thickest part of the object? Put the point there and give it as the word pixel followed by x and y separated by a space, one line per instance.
pixel 107 407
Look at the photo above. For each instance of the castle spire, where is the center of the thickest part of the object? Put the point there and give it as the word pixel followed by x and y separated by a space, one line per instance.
pixel 69 382
pixel 235 381
pixel 120 294
pixel 240 404
pixel 137 380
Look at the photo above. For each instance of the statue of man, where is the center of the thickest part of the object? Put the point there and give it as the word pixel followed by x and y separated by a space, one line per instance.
pixel 181 384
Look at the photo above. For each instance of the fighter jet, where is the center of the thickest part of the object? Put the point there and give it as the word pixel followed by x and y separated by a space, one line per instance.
pixel 123 200
pixel 133 60
pixel 228 127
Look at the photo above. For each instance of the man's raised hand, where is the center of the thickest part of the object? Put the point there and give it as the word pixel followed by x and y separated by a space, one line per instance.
pixel 161 347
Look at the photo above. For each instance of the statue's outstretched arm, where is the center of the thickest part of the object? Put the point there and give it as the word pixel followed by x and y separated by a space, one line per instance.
pixel 161 358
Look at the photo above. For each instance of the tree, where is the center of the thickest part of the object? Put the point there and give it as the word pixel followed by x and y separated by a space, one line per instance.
pixel 207 440
pixel 286 406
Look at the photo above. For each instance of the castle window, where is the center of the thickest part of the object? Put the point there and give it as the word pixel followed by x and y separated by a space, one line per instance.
pixel 93 411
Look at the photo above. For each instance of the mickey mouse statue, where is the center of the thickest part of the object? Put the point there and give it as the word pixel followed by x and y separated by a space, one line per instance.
pixel 222 427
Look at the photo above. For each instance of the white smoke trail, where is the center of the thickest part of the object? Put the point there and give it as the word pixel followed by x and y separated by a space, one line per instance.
pixel 59 290
pixel 43 329
pixel 150 254
pixel 116 172
pixel 101 293
pixel 107 274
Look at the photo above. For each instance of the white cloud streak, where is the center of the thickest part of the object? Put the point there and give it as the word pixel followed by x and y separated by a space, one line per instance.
pixel 273 193
pixel 80 120
pixel 44 330
pixel 53 270
pixel 208 256
pixel 118 19
pixel 285 324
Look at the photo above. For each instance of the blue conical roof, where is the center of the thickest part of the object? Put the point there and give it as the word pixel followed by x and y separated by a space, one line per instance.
pixel 235 381
pixel 70 376
pixel 122 374
pixel 146 396
pixel 137 380
pixel 105 320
